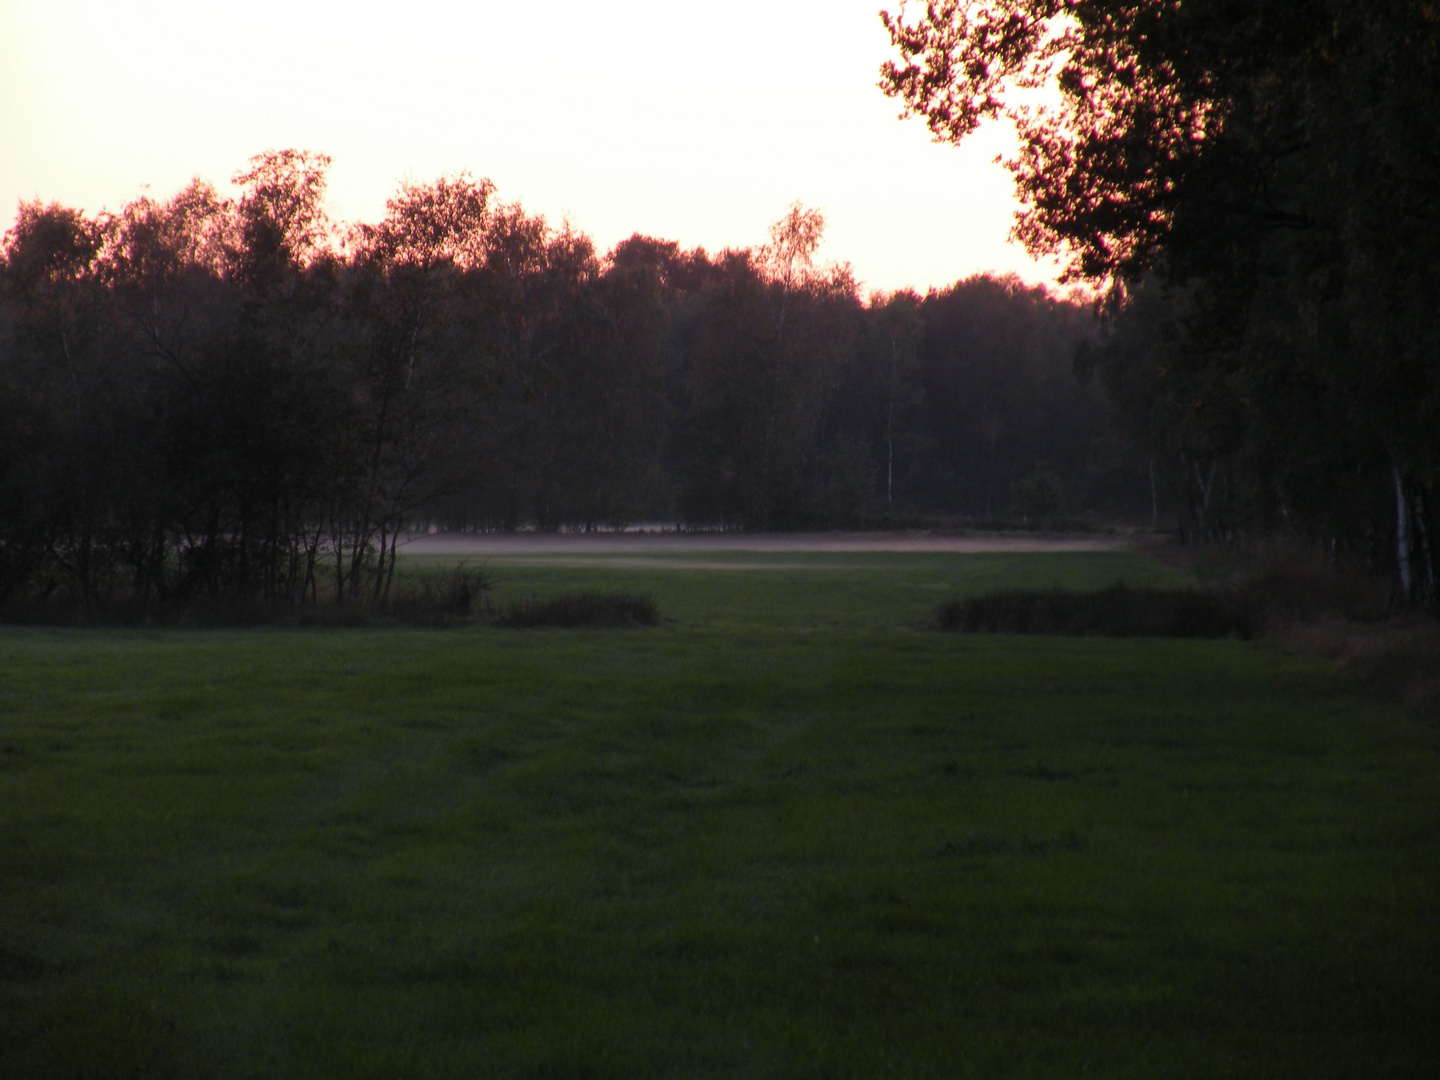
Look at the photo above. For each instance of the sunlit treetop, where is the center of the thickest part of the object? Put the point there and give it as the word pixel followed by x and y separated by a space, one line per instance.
pixel 444 221
pixel 1110 113
pixel 1142 120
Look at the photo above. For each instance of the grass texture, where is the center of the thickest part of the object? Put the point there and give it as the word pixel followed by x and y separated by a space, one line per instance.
pixel 789 832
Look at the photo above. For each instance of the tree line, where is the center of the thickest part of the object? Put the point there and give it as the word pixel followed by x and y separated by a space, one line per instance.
pixel 214 397
pixel 1253 187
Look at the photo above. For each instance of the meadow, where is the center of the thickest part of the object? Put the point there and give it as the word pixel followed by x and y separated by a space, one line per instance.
pixel 790 832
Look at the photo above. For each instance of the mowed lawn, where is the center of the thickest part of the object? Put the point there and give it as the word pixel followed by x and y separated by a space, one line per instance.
pixel 789 833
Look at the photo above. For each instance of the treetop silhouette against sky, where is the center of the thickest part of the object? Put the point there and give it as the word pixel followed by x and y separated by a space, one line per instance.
pixel 696 123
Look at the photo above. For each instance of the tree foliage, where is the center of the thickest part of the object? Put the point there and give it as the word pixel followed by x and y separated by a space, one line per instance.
pixel 1273 167
pixel 236 401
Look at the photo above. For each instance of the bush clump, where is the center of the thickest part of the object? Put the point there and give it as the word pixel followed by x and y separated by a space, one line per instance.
pixel 1118 611
pixel 579 609
pixel 440 599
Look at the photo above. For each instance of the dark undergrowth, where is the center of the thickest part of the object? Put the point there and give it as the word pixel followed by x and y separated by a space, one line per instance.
pixel 1117 611
pixel 1316 606
pixel 1308 604
pixel 451 598
pixel 1239 597
pixel 581 609
pixel 1400 656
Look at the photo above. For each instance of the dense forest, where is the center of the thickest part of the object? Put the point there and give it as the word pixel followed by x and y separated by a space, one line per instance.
pixel 1253 188
pixel 215 397
pixel 237 397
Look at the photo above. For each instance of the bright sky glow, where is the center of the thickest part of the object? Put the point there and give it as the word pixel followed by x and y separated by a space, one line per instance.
pixel 693 122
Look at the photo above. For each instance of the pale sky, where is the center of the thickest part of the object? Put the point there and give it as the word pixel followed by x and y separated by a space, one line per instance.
pixel 698 123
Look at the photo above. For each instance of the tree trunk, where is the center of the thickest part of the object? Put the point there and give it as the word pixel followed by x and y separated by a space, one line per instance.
pixel 890 425
pixel 1154 498
pixel 1402 542
pixel 1414 555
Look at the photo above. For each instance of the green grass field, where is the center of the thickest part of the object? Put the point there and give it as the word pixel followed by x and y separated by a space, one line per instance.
pixel 789 833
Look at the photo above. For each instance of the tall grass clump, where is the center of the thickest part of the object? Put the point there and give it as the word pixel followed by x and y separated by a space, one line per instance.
pixel 577 609
pixel 1401 656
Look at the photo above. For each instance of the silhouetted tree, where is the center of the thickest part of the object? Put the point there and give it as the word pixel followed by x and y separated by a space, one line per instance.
pixel 417 366
pixel 234 401
pixel 1275 164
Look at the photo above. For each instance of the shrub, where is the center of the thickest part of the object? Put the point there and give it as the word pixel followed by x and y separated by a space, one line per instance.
pixel 582 609
pixel 440 599
pixel 1118 611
